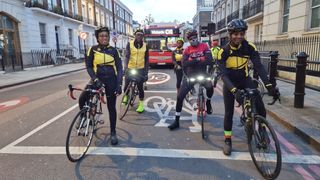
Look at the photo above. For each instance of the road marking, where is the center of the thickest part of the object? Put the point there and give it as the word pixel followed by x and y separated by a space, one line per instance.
pixel 162 153
pixel 159 104
pixel 13 103
pixel 157 78
pixel 41 126
pixel 161 92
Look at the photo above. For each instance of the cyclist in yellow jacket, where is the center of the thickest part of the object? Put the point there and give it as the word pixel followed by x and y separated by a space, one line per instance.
pixel 176 59
pixel 137 58
pixel 233 62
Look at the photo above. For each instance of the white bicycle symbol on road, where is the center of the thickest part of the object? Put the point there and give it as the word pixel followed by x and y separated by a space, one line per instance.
pixel 163 106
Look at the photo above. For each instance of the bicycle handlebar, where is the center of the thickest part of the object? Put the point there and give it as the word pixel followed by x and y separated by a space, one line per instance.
pixel 99 91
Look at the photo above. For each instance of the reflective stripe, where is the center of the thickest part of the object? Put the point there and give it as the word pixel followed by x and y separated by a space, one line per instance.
pixel 102 59
pixel 227 133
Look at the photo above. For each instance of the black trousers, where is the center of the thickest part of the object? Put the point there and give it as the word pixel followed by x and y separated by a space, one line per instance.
pixel 228 98
pixel 110 87
pixel 139 78
pixel 184 90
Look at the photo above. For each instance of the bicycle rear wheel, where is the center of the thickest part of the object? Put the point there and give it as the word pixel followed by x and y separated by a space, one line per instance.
pixel 264 148
pixel 79 136
pixel 125 106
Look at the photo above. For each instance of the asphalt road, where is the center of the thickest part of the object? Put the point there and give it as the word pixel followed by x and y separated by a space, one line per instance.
pixel 33 131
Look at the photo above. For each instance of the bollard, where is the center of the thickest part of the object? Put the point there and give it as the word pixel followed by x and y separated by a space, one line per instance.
pixel 273 67
pixel 300 80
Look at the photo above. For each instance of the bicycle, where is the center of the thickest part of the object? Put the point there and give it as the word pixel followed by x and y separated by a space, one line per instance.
pixel 131 92
pixel 201 99
pixel 260 135
pixel 84 124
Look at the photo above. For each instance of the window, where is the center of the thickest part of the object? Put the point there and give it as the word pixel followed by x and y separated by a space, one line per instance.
pixel 315 13
pixel 70 32
pixel 285 17
pixel 43 37
pixel 258 33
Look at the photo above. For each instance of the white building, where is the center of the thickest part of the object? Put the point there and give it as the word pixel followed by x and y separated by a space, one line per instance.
pixel 54 25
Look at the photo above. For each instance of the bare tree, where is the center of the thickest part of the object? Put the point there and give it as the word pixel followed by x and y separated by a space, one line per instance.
pixel 148 20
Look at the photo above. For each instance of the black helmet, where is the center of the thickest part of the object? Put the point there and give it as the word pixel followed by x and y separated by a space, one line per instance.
pixel 191 32
pixel 237 25
pixel 138 31
pixel 101 29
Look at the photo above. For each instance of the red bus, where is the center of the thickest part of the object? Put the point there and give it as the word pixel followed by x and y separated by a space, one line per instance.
pixel 161 40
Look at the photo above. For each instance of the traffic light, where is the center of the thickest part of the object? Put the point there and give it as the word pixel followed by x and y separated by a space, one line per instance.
pixel 211 28
pixel 203 31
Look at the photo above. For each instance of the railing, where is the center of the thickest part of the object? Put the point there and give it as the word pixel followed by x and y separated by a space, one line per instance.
pixel 42 57
pixel 252 8
pixel 221 24
pixel 234 15
pixel 289 48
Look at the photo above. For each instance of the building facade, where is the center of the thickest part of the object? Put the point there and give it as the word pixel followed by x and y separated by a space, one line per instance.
pixel 202 18
pixel 268 19
pixel 29 28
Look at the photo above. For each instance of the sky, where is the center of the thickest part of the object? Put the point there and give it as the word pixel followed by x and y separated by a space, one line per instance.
pixel 162 10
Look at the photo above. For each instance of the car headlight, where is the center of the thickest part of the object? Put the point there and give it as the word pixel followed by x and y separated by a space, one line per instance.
pixel 200 78
pixel 133 72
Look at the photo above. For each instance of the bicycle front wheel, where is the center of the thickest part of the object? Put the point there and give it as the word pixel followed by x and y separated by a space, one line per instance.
pixel 201 111
pixel 79 136
pixel 264 148
pixel 125 106
pixel 260 87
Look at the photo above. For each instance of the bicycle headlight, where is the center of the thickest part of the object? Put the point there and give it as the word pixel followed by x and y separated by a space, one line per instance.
pixel 133 71
pixel 192 79
pixel 200 78
pixel 209 79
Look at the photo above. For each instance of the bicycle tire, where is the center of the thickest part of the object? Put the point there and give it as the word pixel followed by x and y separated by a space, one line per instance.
pixel 124 107
pixel 257 140
pixel 133 95
pixel 201 110
pixel 81 151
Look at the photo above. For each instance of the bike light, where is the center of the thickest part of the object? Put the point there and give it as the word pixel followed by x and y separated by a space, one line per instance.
pixel 192 79
pixel 209 79
pixel 133 72
pixel 200 78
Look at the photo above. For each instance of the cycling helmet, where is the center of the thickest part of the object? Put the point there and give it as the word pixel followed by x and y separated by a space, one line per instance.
pixel 101 29
pixel 237 25
pixel 138 31
pixel 180 39
pixel 191 33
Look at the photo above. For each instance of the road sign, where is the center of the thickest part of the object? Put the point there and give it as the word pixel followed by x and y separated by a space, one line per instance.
pixel 83 35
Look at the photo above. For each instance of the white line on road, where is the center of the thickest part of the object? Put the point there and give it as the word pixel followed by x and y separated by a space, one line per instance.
pixel 162 153
pixel 160 91
pixel 41 127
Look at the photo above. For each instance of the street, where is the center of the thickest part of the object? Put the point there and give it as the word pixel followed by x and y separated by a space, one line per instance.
pixel 36 117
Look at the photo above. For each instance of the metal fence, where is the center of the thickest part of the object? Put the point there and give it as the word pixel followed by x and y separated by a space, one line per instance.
pixel 289 48
pixel 42 57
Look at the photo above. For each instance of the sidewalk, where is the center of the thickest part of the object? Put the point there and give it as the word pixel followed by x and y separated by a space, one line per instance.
pixel 37 73
pixel 304 122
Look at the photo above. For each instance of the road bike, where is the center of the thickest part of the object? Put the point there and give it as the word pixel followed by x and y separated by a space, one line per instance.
pixel 262 140
pixel 84 124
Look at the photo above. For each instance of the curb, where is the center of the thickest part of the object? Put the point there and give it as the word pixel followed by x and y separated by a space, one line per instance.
pixel 37 79
pixel 303 135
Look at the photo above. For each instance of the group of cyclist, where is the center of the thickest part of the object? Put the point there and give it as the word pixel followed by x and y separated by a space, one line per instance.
pixel 105 69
